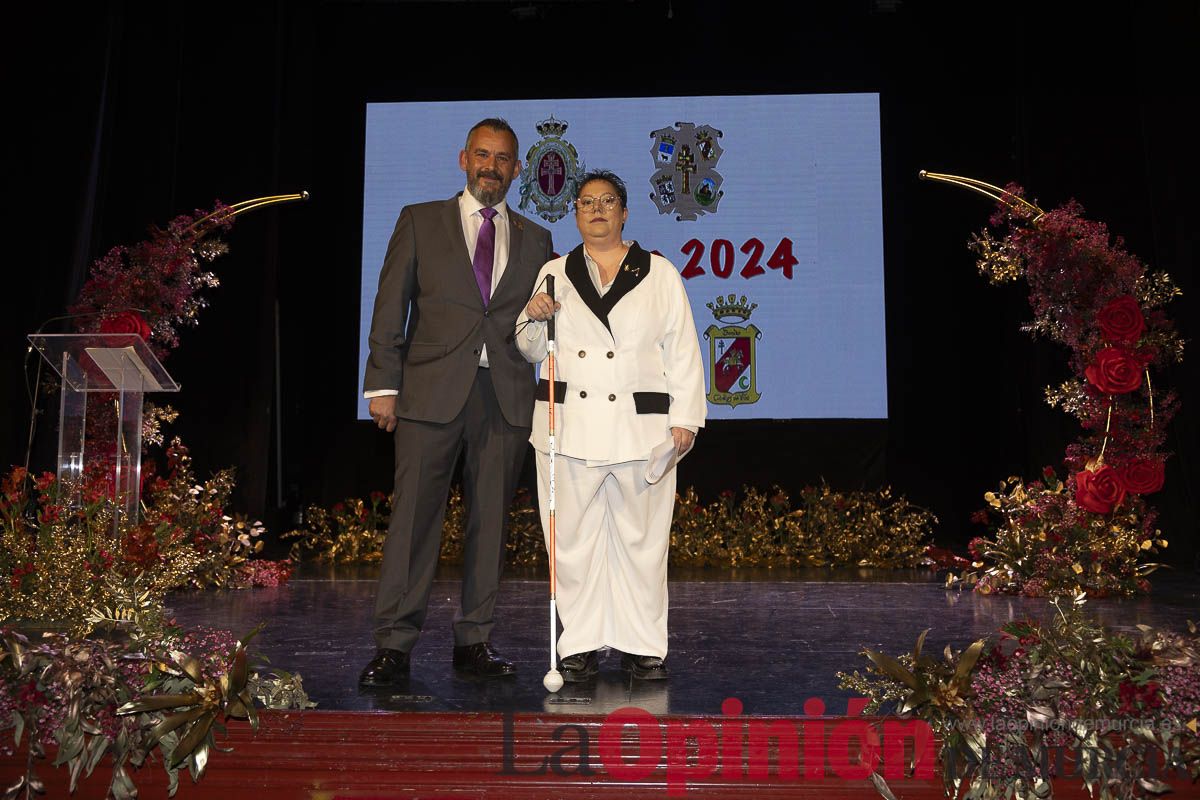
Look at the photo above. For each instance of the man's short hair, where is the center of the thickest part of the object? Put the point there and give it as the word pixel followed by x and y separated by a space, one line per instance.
pixel 496 124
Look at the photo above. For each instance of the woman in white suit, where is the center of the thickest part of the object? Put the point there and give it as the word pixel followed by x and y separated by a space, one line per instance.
pixel 629 379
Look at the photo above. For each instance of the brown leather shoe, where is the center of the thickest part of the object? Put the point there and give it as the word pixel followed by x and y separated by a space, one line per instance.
pixel 482 659
pixel 644 668
pixel 387 668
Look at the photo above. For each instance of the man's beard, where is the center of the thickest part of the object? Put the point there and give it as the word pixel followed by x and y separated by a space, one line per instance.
pixel 486 196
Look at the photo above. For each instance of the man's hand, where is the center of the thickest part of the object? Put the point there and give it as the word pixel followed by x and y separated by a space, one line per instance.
pixel 684 439
pixel 541 307
pixel 383 411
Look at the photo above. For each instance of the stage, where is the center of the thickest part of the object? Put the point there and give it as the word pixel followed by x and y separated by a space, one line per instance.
pixel 771 641
pixel 844 277
pixel 751 652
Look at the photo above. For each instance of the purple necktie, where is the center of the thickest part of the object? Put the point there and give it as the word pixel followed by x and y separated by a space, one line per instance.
pixel 485 248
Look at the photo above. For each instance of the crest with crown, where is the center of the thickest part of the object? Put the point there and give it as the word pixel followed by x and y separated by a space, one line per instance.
pixel 552 169
pixel 552 127
pixel 732 352
pixel 666 189
pixel 666 148
pixel 730 308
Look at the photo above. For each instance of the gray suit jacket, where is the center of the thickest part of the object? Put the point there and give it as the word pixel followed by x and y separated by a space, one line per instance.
pixel 429 323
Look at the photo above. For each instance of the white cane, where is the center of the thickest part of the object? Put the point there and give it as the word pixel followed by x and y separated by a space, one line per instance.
pixel 553 680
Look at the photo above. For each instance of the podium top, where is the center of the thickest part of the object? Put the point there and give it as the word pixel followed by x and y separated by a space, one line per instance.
pixel 104 362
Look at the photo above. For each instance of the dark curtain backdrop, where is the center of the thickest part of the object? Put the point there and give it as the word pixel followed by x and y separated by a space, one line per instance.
pixel 122 115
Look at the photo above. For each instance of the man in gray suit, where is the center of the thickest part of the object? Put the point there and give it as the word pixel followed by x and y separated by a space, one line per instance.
pixel 445 376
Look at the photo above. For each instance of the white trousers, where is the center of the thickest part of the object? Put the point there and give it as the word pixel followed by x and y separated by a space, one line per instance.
pixel 612 532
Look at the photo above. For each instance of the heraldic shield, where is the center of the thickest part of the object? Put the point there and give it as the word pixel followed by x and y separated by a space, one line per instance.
pixel 685 180
pixel 732 377
pixel 551 170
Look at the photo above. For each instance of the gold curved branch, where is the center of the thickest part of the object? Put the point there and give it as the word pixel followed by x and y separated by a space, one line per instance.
pixel 222 214
pixel 1107 431
pixel 1150 388
pixel 998 194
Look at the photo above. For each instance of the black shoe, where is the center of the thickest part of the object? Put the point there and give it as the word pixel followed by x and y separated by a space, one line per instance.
pixel 481 659
pixel 580 667
pixel 644 668
pixel 387 668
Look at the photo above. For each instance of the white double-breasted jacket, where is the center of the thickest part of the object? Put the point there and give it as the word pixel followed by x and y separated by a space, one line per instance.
pixel 628 364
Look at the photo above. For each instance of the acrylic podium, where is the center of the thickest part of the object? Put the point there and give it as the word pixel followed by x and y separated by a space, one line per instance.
pixel 123 366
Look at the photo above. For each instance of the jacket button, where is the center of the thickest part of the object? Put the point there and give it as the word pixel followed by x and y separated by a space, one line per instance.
pixel 583 394
pixel 612 397
pixel 610 353
pixel 582 353
pixel 475 351
pixel 486 313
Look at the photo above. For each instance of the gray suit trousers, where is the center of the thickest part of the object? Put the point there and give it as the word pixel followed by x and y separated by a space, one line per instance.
pixel 426 454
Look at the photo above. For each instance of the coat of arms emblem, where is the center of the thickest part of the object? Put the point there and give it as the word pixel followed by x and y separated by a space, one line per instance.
pixel 551 169
pixel 732 376
pixel 685 180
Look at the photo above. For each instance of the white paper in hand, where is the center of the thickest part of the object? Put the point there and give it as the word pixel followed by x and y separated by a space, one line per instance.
pixel 662 459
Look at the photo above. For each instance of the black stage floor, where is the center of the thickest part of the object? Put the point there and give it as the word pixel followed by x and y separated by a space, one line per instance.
pixel 769 638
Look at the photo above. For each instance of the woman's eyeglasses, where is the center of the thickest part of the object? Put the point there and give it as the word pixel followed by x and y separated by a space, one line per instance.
pixel 588 203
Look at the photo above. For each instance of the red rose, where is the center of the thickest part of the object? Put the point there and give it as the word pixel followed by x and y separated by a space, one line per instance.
pixel 1121 321
pixel 1142 476
pixel 1115 371
pixel 1100 491
pixel 126 322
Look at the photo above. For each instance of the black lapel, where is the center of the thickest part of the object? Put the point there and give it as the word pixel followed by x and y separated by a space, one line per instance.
pixel 633 271
pixel 577 274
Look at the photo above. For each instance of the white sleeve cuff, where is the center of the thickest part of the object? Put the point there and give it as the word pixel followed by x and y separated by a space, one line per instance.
pixel 534 330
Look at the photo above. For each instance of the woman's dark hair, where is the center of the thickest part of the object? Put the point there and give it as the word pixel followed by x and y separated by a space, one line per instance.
pixel 607 177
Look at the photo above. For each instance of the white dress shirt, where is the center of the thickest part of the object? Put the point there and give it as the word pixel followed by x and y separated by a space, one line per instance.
pixel 469 210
